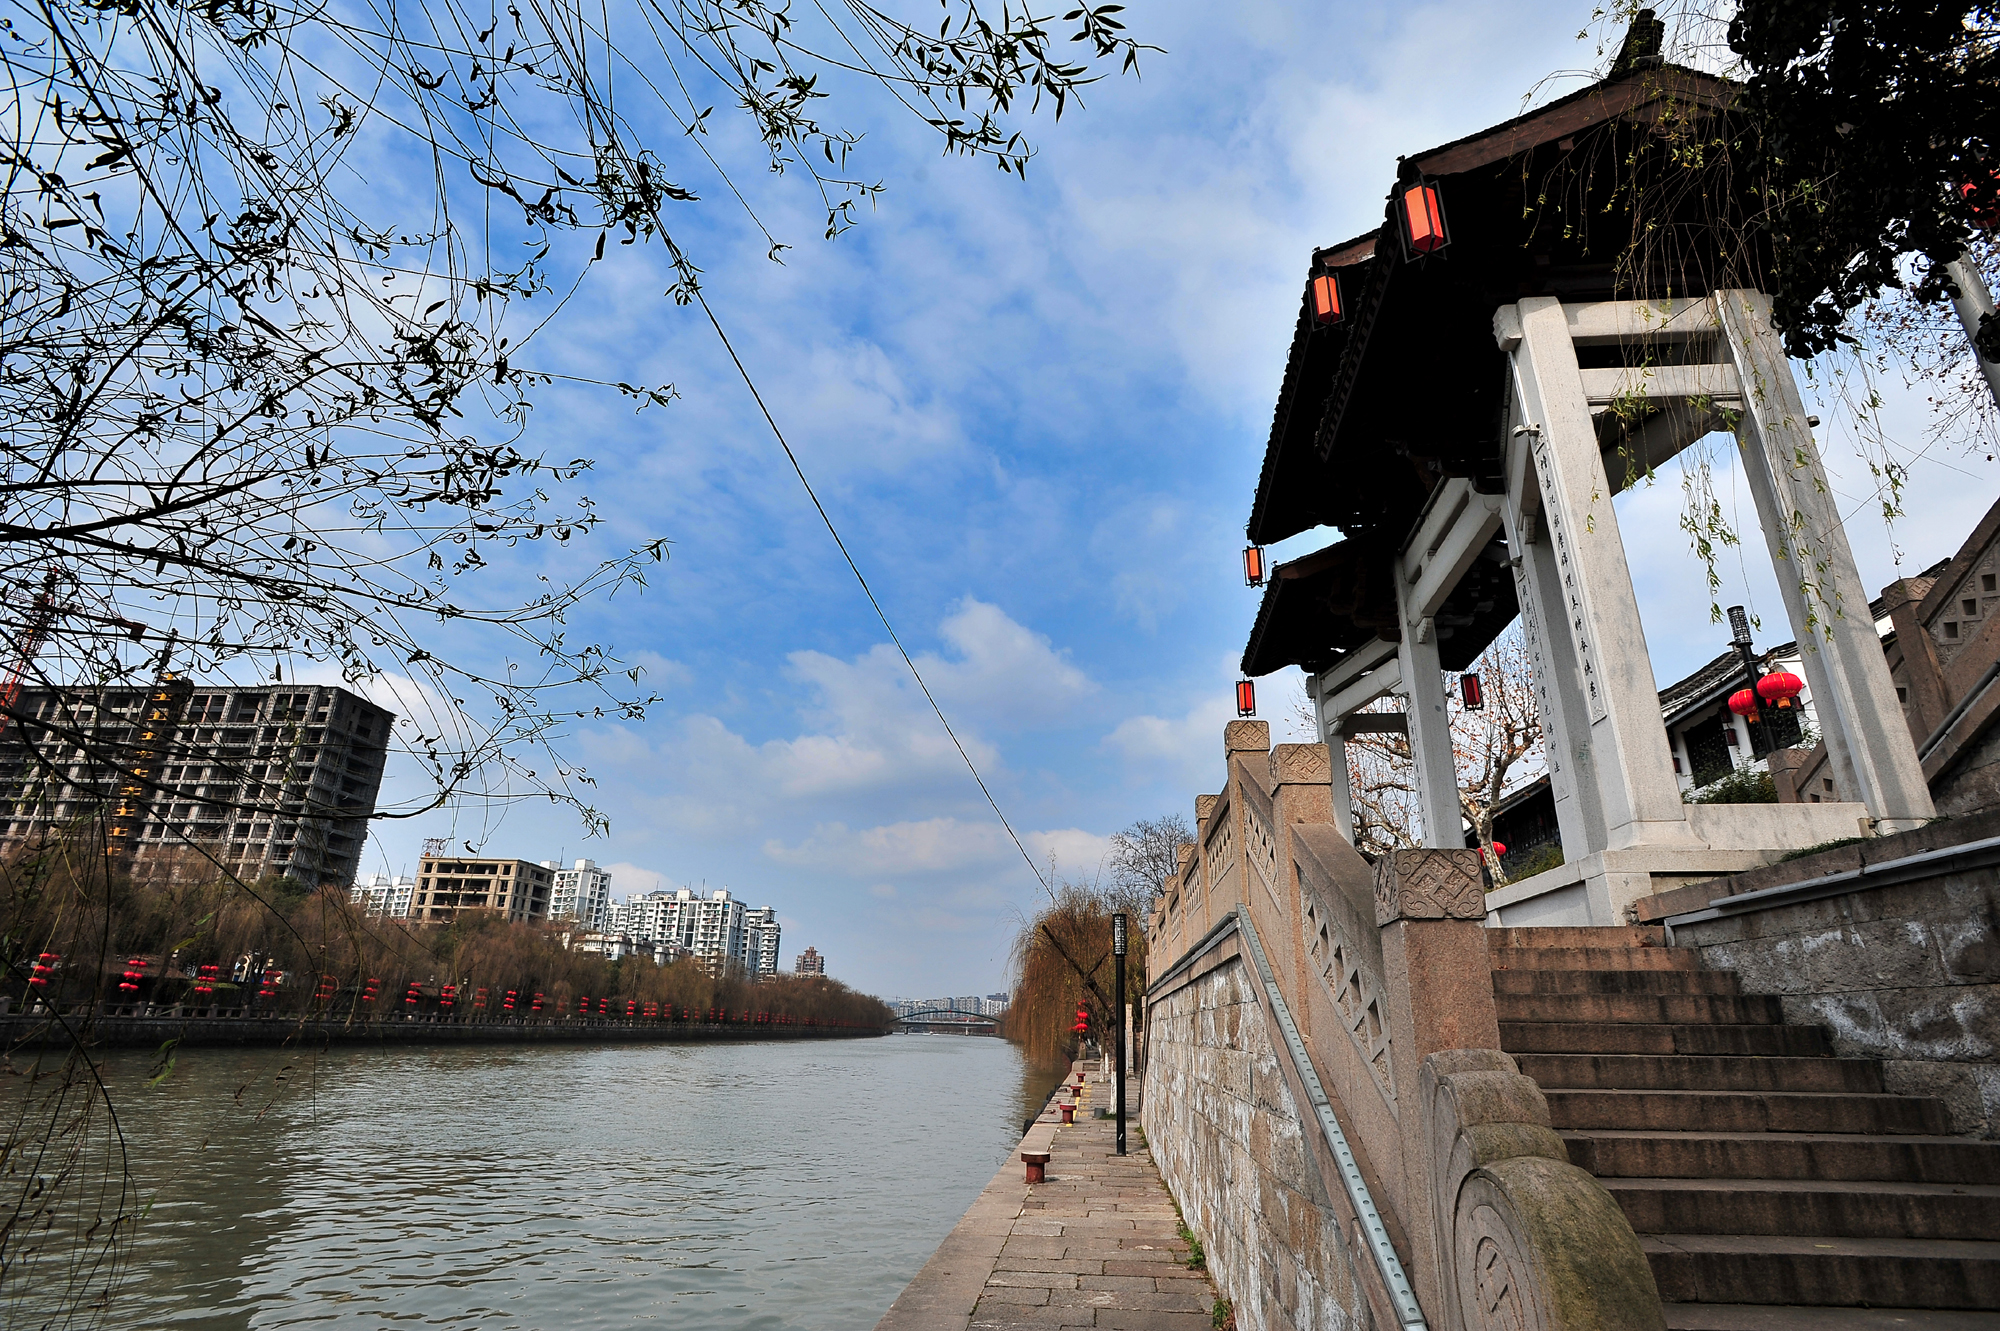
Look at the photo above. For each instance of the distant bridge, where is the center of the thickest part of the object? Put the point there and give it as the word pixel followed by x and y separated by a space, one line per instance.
pixel 947 1021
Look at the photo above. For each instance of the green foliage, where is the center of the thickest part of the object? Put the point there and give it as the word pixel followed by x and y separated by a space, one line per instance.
pixel 1222 1317
pixel 1745 785
pixel 1872 115
pixel 1197 1260
pixel 1834 844
pixel 1547 858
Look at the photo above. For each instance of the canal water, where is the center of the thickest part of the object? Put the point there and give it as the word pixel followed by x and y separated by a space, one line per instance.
pixel 699 1187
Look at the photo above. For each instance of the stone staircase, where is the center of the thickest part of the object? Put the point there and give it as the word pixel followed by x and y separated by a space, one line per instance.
pixel 1771 1184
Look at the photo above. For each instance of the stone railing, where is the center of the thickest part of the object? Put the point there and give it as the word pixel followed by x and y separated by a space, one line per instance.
pixel 1376 995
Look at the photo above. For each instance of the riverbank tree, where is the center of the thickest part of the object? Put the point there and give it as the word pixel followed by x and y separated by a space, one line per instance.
pixel 278 948
pixel 1062 963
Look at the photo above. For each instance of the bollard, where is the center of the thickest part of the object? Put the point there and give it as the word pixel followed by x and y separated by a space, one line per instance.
pixel 1069 1113
pixel 1037 1161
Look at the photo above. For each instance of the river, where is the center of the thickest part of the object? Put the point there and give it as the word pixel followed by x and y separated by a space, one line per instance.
pixel 702 1187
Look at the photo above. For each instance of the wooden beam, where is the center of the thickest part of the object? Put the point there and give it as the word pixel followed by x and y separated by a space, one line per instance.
pixel 1357 695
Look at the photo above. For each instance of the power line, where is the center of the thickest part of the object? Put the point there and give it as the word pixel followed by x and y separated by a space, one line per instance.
pixel 866 590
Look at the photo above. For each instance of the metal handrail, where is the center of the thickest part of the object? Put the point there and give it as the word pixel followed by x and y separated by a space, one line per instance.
pixel 1408 1314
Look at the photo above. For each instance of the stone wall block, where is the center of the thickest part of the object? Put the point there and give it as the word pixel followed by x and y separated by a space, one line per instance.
pixel 1959 1025
pixel 1245 737
pixel 1969 947
pixel 1970 1091
pixel 1854 1021
pixel 1429 885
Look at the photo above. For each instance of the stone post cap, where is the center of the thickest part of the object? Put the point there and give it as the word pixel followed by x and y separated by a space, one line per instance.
pixel 1246 737
pixel 1301 765
pixel 1429 885
pixel 1204 805
pixel 1184 853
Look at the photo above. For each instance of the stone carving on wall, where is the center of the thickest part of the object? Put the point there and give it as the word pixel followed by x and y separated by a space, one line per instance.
pixel 1355 994
pixel 1221 852
pixel 1429 885
pixel 1527 1241
pixel 1261 849
pixel 1301 765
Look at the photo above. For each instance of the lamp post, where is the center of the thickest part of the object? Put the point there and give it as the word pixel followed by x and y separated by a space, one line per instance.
pixel 1739 632
pixel 1118 943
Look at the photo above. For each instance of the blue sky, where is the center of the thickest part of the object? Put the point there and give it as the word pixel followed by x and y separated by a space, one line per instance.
pixel 1036 411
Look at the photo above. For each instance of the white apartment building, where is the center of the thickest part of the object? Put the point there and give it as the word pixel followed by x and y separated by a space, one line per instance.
pixel 384 896
pixel 582 894
pixel 761 940
pixel 716 929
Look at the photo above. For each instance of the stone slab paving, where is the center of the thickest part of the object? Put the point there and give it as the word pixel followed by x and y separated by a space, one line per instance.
pixel 1096 1244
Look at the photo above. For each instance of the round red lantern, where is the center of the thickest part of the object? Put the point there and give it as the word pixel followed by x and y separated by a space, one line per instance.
pixel 1743 702
pixel 1499 848
pixel 1779 688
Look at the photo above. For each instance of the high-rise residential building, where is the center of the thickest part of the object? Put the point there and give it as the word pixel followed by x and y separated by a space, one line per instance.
pixel 761 941
pixel 716 929
pixel 447 885
pixel 582 894
pixel 274 779
pixel 382 895
pixel 810 962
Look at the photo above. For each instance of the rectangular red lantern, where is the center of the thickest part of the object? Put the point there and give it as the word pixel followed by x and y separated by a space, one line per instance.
pixel 1253 565
pixel 1423 220
pixel 1326 299
pixel 1469 690
pixel 1246 698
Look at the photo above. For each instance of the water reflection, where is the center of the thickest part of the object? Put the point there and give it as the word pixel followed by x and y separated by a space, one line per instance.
pixel 725 1187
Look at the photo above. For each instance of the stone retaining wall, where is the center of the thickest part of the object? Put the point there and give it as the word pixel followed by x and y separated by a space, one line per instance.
pixel 1228 1139
pixel 1908 973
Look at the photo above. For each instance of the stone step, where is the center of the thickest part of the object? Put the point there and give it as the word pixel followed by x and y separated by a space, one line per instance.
pixel 1589 1037
pixel 1616 982
pixel 1787 1269
pixel 1848 1209
pixel 1612 1153
pixel 1680 1072
pixel 1748 1111
pixel 1652 1009
pixel 1599 936
pixel 1592 958
pixel 1777 1317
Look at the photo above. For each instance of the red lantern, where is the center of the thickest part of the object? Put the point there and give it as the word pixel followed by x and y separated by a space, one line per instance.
pixel 1326 299
pixel 272 979
pixel 1743 702
pixel 1986 217
pixel 1082 1022
pixel 1246 698
pixel 1499 849
pixel 583 1005
pixel 1779 688
pixel 537 1005
pixel 1423 221
pixel 479 1000
pixel 135 971
pixel 1253 566
pixel 368 994
pixel 43 969
pixel 328 986
pixel 1469 690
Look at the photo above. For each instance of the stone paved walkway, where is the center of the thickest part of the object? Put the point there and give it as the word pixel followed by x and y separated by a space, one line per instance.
pixel 1096 1245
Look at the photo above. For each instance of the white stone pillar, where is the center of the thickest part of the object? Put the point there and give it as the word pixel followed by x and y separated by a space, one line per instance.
pixel 1558 692
pixel 1866 737
pixel 1331 735
pixel 1430 730
pixel 1627 741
